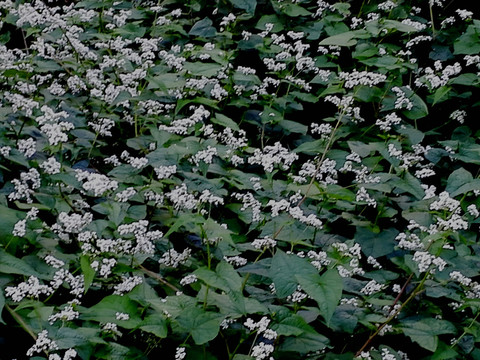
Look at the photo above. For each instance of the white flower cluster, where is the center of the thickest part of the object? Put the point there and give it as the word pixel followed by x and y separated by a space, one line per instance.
pixel 67 314
pixel 181 126
pixel 19 229
pixel 181 199
pixel 432 80
pixel 51 166
pixel 319 260
pixel 135 162
pixel 173 258
pixel 127 285
pixel 24 188
pixel 265 243
pixel 205 156
pixel 261 350
pixel 31 289
pixel 43 343
pixel 28 147
pixel 164 172
pixel 372 287
pixel 363 196
pixel 98 184
pixel 424 259
pixel 180 353
pixel 389 121
pixel 102 126
pixel 125 195
pixel 144 238
pixel 51 124
pixel 273 155
pixel 364 78
pixel 249 201
pixel 297 296
pixel 402 101
pixel 71 224
pixel 236 260
pixel 353 253
pixel 458 115
pixel 189 279
pixel 69 354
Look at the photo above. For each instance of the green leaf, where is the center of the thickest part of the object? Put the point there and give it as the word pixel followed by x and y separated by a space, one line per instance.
pixel 225 277
pixel 88 272
pixel 295 10
pixel 137 212
pixel 467 79
pixel 468 43
pixel 2 305
pixel 293 126
pixel 225 121
pixel 10 264
pixel 282 268
pixel 343 39
pixel 269 19
pixel 471 186
pixel 376 245
pixel 409 184
pixel 202 69
pixel 203 28
pixel 441 94
pixel 305 343
pixel 155 324
pixel 106 310
pixel 8 219
pixel 293 325
pixel 326 290
pixel 345 319
pixel 424 332
pixel 247 5
pixel 202 325
pixel 419 109
pixel 457 179
pixel 397 25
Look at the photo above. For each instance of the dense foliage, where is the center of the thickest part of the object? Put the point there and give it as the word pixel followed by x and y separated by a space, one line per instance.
pixel 239 179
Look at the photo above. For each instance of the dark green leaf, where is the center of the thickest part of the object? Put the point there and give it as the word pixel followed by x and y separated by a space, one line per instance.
pixel 203 28
pixel 282 268
pixel 325 289
pixel 247 5
pixel 202 325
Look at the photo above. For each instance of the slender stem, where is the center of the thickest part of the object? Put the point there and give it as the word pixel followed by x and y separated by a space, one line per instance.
pixel 244 283
pixel 414 293
pixel 431 20
pixel 159 278
pixel 465 330
pixel 20 321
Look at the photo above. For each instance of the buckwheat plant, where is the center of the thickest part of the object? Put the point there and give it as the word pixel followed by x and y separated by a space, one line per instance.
pixel 239 179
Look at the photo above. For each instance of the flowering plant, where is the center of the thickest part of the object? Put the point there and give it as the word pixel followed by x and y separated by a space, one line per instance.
pixel 239 179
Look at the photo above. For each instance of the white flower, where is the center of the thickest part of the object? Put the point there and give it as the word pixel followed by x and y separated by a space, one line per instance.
pixel 96 183
pixel 189 279
pixel 27 147
pixel 20 228
pixel 180 353
pixel 51 166
pixel 266 242
pixel 122 316
pixel 372 287
pixel 127 285
pixel 42 344
pixel 164 172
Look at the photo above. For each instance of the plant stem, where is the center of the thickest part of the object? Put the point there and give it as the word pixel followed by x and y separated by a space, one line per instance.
pixel 159 278
pixel 414 293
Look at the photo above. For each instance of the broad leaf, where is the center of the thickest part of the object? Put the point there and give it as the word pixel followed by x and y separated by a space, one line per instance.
pixel 202 325
pixel 326 290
